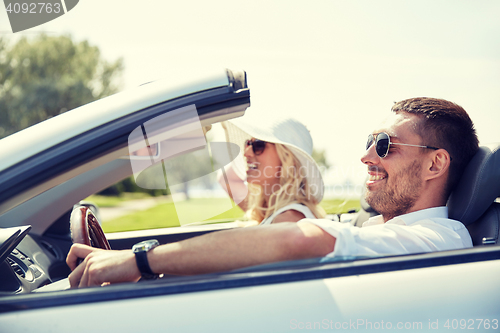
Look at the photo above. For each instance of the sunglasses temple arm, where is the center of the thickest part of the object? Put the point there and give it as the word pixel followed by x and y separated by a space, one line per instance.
pixel 406 144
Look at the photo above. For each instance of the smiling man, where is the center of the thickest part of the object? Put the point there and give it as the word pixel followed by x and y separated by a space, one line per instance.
pixel 414 161
pixel 417 147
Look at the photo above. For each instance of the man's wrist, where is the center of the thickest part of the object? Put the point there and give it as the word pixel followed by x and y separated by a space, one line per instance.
pixel 141 251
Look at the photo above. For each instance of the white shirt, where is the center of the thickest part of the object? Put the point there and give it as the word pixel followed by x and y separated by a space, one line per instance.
pixel 425 230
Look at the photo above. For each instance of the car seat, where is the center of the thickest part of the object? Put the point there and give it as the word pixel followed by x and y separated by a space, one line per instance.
pixel 474 202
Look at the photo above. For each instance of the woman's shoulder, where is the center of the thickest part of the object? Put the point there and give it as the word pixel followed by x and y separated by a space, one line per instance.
pixel 290 213
pixel 296 207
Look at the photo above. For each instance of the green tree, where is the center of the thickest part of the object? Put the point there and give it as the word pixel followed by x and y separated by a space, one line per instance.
pixel 129 185
pixel 320 157
pixel 44 76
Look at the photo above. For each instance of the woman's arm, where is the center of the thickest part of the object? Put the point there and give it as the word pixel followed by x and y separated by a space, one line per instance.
pixel 234 186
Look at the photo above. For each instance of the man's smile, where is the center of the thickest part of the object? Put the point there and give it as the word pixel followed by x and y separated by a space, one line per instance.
pixel 374 178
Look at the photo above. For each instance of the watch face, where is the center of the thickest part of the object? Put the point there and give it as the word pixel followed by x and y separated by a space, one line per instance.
pixel 145 246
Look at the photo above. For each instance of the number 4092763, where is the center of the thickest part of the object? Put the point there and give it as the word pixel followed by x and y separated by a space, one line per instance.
pixel 33 8
pixel 471 324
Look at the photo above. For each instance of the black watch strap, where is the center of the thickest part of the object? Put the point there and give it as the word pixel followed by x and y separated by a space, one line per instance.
pixel 141 257
pixel 142 263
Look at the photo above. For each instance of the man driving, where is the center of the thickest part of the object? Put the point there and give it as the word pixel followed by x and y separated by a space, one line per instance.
pixel 414 161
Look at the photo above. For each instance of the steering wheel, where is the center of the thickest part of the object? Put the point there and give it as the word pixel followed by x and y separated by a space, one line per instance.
pixel 85 228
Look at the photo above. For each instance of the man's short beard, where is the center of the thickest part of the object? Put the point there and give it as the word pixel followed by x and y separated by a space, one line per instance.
pixel 400 195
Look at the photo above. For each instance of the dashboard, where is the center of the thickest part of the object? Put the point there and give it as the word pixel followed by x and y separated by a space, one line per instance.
pixel 27 263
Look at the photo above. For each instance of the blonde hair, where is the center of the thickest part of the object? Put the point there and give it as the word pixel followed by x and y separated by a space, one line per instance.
pixel 293 188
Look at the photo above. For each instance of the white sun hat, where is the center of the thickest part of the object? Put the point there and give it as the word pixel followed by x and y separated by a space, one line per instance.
pixel 289 132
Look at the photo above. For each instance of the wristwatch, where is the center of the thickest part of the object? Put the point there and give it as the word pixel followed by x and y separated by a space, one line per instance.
pixel 141 257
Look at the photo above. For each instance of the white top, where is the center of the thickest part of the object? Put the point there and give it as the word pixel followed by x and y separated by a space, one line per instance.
pixel 426 230
pixel 295 206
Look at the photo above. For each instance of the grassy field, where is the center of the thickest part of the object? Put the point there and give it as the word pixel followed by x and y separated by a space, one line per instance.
pixel 113 201
pixel 165 215
pixel 339 206
pixel 197 209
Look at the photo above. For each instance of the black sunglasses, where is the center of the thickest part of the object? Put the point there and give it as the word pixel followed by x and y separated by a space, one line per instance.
pixel 258 146
pixel 383 143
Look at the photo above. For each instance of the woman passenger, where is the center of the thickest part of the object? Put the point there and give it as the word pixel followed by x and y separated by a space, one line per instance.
pixel 283 182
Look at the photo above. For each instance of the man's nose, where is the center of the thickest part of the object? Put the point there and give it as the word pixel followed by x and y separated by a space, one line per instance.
pixel 370 156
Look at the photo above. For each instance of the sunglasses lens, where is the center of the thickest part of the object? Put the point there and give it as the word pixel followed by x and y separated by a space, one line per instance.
pixel 382 146
pixel 258 147
pixel 369 142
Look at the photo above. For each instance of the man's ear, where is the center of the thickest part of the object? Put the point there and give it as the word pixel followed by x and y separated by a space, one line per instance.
pixel 438 164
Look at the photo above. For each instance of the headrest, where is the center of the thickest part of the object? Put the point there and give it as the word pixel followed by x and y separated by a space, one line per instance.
pixel 478 187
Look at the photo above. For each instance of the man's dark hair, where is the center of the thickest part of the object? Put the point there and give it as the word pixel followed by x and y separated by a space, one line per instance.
pixel 444 125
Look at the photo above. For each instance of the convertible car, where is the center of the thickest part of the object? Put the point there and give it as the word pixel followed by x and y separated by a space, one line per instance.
pixel 47 169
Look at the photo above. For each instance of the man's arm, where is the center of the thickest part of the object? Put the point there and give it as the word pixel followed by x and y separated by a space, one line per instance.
pixel 289 216
pixel 213 252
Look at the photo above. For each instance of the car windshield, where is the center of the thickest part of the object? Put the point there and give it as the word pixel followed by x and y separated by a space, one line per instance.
pixel 179 180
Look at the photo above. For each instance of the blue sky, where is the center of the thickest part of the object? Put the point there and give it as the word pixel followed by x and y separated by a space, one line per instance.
pixel 338 66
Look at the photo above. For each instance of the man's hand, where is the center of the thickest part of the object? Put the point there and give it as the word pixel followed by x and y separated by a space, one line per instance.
pixel 101 266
